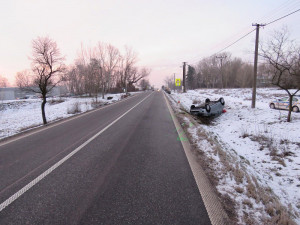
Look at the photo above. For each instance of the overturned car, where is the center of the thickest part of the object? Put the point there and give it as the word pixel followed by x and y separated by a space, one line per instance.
pixel 209 108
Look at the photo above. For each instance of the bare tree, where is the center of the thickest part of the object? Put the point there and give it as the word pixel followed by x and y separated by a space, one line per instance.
pixel 127 62
pixel 74 80
pixel 144 84
pixel 136 75
pixel 3 81
pixel 283 56
pixel 190 80
pixel 108 57
pixel 47 70
pixel 236 73
pixel 96 75
pixel 104 69
pixel 169 82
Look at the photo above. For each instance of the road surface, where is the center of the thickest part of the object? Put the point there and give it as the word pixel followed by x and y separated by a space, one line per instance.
pixel 122 164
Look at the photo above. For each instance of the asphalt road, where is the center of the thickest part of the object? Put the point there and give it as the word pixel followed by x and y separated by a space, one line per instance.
pixel 102 169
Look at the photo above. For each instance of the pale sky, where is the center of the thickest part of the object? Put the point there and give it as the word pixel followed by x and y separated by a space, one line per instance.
pixel 163 32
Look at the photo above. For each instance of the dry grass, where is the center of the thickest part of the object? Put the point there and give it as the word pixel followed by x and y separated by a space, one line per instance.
pixel 239 189
pixel 236 167
pixel 29 127
pixel 253 189
pixel 56 101
pixel 96 104
pixel 248 203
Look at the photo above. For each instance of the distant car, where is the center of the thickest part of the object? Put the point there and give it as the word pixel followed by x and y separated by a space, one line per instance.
pixel 283 103
pixel 210 108
pixel 168 90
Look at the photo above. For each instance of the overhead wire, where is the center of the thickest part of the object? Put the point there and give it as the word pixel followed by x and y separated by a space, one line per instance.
pixel 231 43
pixel 282 17
pixel 235 41
pixel 280 7
pixel 280 10
pixel 225 42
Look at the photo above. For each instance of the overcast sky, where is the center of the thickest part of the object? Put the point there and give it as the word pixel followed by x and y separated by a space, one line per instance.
pixel 163 32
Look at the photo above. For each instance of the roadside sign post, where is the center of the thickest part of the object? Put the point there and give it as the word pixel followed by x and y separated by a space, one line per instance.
pixel 177 82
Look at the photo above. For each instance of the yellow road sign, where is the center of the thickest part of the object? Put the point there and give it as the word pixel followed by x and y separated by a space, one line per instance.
pixel 177 82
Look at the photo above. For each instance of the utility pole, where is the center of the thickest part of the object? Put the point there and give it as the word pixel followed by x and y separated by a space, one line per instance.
pixel 174 83
pixel 221 58
pixel 255 64
pixel 183 80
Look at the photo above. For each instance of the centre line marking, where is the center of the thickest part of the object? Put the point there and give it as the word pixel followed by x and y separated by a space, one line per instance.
pixel 15 196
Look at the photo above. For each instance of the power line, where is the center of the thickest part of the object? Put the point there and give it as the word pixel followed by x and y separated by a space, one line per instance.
pixel 254 30
pixel 280 10
pixel 236 41
pixel 282 17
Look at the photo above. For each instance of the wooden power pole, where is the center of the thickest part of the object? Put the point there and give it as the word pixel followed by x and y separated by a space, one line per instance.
pixel 174 83
pixel 183 80
pixel 255 64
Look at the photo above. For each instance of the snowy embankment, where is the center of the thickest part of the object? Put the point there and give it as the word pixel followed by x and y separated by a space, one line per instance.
pixel 20 115
pixel 254 153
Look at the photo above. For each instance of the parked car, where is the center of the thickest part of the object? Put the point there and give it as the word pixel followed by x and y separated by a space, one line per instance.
pixel 209 108
pixel 283 103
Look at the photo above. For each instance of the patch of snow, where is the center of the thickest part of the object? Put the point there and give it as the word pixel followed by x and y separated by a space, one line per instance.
pixel 261 136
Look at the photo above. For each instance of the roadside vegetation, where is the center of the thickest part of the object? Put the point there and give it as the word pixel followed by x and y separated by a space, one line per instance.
pixel 279 66
pixel 97 70
pixel 250 155
pixel 21 115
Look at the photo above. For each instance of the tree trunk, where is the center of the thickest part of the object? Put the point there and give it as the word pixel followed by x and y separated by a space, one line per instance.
pixel 43 110
pixel 290 108
pixel 103 91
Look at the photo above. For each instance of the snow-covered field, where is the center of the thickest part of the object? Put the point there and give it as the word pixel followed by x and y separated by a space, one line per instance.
pixel 258 160
pixel 19 115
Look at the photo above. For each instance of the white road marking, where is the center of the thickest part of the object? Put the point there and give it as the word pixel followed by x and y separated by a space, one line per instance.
pixel 15 196
pixel 65 120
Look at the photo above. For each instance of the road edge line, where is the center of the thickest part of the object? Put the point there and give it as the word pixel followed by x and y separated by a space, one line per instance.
pixel 28 186
pixel 214 208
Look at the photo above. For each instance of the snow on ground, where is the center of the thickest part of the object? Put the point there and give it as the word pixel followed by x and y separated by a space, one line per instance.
pixel 268 144
pixel 19 115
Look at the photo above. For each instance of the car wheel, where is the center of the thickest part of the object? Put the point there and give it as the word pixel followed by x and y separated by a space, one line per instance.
pixel 272 106
pixel 193 106
pixel 207 101
pixel 295 109
pixel 222 101
pixel 207 107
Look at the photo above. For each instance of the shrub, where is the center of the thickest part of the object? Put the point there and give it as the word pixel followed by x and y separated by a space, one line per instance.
pixel 56 101
pixel 75 108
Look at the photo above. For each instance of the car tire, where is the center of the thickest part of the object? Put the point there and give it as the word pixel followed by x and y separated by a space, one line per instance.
pixel 295 109
pixel 207 107
pixel 222 101
pixel 207 101
pixel 272 106
pixel 193 106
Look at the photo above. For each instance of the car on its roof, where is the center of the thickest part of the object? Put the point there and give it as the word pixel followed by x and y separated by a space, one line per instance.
pixel 209 108
pixel 283 103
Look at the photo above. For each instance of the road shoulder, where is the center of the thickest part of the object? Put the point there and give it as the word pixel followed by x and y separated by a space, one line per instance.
pixel 211 201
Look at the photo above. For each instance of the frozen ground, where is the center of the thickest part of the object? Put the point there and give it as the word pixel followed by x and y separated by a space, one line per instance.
pixel 19 115
pixel 262 152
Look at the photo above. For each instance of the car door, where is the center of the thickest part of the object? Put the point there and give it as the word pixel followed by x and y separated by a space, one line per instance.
pixel 295 101
pixel 283 103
